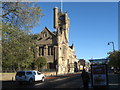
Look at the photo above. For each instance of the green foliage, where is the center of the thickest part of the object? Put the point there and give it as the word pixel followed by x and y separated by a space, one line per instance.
pixel 24 15
pixel 114 59
pixel 40 62
pixel 16 46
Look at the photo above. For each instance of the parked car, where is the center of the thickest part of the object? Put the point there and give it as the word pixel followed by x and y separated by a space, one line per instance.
pixel 29 76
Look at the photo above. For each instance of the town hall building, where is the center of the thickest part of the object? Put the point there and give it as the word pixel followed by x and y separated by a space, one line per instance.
pixel 54 46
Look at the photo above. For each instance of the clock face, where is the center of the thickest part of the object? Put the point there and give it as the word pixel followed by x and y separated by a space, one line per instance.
pixel 61 18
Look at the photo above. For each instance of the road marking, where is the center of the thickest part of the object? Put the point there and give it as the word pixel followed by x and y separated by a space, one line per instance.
pixel 38 84
pixel 58 79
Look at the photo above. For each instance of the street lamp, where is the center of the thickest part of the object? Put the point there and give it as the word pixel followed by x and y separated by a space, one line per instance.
pixel 112 44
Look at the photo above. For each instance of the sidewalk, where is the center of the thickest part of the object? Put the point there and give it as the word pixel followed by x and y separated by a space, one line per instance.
pixel 61 76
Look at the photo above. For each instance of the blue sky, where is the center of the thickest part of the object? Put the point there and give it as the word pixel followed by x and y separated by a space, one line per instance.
pixel 92 26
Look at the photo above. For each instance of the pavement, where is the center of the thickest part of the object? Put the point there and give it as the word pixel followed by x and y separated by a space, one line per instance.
pixel 112 80
pixel 61 76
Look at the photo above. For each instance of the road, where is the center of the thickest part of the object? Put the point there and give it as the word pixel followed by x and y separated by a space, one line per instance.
pixel 67 81
pixel 70 81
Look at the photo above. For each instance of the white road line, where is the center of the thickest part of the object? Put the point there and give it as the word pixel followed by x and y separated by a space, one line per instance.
pixel 58 79
pixel 38 84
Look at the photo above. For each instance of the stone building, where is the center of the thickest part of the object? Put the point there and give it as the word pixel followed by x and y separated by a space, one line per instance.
pixel 55 45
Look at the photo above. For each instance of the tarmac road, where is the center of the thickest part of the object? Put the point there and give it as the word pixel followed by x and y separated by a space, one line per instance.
pixel 65 81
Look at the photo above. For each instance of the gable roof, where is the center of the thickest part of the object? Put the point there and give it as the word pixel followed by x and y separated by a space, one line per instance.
pixel 48 31
pixel 72 47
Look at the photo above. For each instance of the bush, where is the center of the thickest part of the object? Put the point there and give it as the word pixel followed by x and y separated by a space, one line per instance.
pixel 40 62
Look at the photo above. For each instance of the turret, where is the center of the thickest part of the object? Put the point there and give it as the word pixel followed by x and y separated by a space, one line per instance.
pixel 55 17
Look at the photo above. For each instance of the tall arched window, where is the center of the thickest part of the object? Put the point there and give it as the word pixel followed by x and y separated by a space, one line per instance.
pixel 41 51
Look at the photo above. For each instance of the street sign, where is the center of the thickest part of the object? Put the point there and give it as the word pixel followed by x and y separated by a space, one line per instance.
pixel 98 61
pixel 99 75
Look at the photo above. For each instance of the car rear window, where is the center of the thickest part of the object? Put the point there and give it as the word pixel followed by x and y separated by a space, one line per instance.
pixel 21 73
pixel 28 73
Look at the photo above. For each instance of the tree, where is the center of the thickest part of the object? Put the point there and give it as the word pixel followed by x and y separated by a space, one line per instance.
pixel 16 48
pixel 24 15
pixel 17 42
pixel 114 59
pixel 40 62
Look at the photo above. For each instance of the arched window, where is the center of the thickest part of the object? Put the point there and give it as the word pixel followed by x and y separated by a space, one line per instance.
pixel 44 34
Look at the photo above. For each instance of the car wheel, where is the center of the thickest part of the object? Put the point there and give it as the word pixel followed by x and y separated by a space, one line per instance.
pixel 31 81
pixel 43 79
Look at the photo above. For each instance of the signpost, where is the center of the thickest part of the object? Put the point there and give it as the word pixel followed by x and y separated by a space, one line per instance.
pixel 99 76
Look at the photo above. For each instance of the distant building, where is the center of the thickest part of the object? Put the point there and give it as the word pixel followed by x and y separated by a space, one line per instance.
pixel 83 64
pixel 55 45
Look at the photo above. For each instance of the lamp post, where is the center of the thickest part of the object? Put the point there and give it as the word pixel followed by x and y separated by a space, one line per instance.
pixel 112 44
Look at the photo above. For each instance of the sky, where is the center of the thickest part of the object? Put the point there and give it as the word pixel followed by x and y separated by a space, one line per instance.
pixel 92 26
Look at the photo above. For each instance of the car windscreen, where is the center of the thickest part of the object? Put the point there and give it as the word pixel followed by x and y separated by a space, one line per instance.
pixel 21 73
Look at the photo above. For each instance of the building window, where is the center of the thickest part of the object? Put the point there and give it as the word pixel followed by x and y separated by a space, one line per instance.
pixel 44 34
pixel 50 50
pixel 41 51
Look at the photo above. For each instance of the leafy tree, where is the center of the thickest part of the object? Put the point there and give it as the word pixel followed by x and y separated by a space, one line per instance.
pixel 33 47
pixel 114 59
pixel 40 62
pixel 17 42
pixel 16 48
pixel 24 15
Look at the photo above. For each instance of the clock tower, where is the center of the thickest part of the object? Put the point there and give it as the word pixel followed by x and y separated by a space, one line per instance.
pixel 61 24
